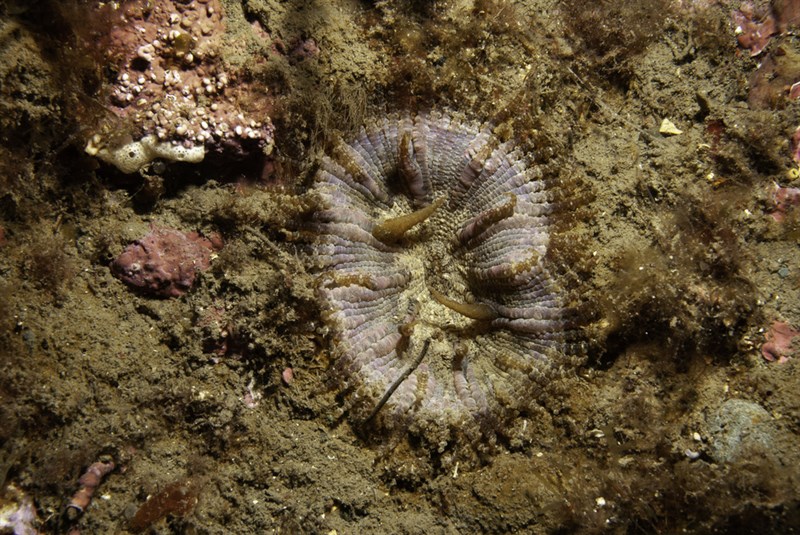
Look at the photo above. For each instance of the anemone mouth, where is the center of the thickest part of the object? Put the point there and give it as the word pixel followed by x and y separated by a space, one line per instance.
pixel 431 245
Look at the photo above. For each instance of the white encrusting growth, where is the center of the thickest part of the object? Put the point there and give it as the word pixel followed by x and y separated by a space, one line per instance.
pixel 131 157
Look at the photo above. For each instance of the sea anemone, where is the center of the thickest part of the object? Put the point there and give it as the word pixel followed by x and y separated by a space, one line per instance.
pixel 431 243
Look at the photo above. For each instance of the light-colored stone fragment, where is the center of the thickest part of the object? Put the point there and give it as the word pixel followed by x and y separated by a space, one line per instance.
pixel 668 128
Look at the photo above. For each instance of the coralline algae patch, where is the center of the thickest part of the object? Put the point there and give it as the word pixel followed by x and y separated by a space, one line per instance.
pixel 165 262
pixel 432 242
pixel 173 97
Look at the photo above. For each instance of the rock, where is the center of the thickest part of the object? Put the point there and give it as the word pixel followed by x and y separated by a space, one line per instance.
pixel 668 128
pixel 174 96
pixel 780 337
pixel 741 428
pixel 165 262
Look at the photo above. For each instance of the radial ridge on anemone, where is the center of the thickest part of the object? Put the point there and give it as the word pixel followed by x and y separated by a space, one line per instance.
pixel 431 245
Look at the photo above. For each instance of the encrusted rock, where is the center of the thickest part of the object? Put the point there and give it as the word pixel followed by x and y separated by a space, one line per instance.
pixel 165 262
pixel 741 428
pixel 173 97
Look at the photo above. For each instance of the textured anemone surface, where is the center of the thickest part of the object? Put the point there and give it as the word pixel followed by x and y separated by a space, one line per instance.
pixel 431 243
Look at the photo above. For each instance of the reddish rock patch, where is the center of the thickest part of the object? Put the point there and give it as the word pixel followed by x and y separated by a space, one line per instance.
pixel 165 262
pixel 778 346
pixel 783 200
